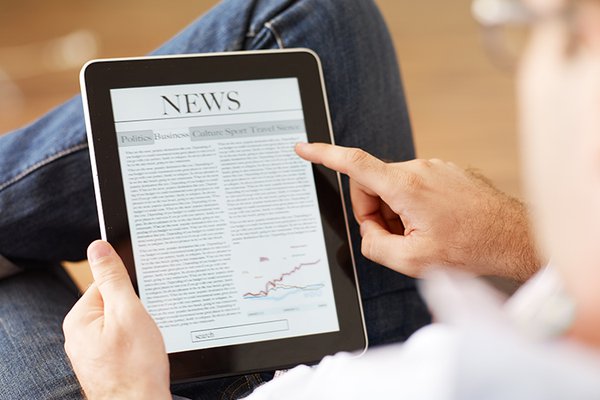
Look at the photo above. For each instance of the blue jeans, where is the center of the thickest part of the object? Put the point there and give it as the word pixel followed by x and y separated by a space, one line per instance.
pixel 48 211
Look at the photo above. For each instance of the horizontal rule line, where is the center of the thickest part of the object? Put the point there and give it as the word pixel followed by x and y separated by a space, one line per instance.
pixel 209 115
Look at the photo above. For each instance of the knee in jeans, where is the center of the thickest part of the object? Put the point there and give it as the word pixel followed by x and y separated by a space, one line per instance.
pixel 325 18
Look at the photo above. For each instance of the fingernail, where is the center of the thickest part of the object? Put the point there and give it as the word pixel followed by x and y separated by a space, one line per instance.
pixel 301 145
pixel 99 249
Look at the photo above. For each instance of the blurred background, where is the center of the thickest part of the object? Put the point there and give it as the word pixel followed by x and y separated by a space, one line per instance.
pixel 462 107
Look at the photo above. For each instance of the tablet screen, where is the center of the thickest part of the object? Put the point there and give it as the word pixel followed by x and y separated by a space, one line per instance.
pixel 224 220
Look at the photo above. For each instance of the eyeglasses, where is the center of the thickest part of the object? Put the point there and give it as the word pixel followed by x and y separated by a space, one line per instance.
pixel 506 25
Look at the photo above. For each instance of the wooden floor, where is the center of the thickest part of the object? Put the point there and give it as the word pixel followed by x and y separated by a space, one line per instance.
pixel 462 107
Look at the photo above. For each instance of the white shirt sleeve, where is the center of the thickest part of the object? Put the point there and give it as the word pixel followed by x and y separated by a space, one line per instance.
pixel 479 351
pixel 398 371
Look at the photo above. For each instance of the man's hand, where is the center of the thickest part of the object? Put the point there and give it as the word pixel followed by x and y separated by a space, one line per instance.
pixel 423 213
pixel 114 345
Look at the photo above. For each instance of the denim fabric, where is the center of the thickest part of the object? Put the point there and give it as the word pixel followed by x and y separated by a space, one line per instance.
pixel 46 194
pixel 32 361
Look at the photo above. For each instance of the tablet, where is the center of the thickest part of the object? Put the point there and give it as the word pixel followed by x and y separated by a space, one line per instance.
pixel 238 248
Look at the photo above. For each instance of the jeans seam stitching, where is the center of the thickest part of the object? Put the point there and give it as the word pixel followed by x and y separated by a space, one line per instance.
pixel 278 38
pixel 229 388
pixel 234 394
pixel 42 163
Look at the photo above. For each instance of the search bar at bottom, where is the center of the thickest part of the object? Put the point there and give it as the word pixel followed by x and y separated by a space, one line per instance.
pixel 240 330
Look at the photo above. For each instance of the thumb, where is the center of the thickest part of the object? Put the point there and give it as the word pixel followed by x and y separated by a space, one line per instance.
pixel 110 275
pixel 382 246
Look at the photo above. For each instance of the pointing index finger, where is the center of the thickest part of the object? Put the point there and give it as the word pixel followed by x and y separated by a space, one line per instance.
pixel 359 165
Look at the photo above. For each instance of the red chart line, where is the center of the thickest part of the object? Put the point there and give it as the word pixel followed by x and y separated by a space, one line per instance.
pixel 272 284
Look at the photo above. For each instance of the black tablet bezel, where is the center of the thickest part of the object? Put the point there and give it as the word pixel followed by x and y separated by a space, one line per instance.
pixel 99 76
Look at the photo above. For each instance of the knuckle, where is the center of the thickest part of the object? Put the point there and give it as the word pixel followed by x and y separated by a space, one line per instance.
pixel 68 330
pixel 357 156
pixel 406 181
pixel 413 181
pixel 421 163
pixel 108 274
pixel 104 263
pixel 69 348
pixel 67 324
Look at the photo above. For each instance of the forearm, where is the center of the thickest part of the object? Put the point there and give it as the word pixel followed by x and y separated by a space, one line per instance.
pixel 511 248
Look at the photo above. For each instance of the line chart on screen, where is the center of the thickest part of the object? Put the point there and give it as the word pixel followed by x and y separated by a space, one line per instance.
pixel 290 282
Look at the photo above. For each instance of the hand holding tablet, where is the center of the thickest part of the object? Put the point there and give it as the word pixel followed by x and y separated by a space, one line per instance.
pixel 114 346
pixel 237 248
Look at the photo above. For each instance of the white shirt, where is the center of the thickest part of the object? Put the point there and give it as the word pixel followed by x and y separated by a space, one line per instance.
pixel 482 348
